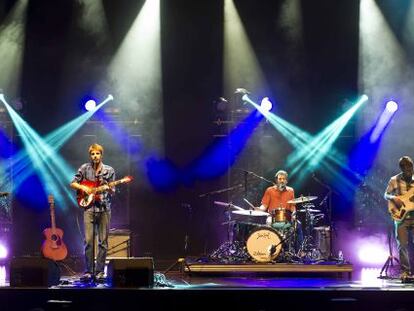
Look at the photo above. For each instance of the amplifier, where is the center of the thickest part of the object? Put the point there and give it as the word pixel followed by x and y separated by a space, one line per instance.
pixel 119 244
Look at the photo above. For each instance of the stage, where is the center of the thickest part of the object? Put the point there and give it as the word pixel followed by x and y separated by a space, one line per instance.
pixel 264 287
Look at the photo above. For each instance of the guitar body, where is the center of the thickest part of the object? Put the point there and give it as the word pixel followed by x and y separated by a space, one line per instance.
pixel 84 199
pixel 398 213
pixel 53 246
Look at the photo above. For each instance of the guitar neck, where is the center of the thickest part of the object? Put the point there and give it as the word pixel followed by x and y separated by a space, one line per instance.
pixel 110 185
pixel 52 217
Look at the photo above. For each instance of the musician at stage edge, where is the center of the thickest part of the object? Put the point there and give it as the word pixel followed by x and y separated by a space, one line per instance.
pixel 282 214
pixel 399 193
pixel 89 176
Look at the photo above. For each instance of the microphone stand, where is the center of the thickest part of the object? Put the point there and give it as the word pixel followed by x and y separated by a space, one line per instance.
pixel 329 212
pixel 255 175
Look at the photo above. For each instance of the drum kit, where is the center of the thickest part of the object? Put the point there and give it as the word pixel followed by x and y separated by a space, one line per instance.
pixel 278 236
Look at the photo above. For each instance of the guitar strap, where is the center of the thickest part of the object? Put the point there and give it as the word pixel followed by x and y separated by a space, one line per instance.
pixel 399 184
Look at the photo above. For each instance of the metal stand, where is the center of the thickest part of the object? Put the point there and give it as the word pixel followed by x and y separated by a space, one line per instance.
pixel 208 196
pixel 389 263
pixel 329 213
pixel 181 262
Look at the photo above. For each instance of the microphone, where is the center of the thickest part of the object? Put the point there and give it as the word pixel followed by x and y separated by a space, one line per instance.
pixel 272 249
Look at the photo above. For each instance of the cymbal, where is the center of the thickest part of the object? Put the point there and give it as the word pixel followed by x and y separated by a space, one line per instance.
pixel 302 199
pixel 308 210
pixel 4 194
pixel 229 205
pixel 251 213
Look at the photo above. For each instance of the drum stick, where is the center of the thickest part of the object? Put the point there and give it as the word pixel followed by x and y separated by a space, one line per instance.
pixel 251 205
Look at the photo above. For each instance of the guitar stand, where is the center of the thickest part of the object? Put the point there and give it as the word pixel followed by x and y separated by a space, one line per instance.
pixel 181 263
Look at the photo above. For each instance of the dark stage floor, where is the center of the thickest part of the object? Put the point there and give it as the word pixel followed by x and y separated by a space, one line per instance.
pixel 252 291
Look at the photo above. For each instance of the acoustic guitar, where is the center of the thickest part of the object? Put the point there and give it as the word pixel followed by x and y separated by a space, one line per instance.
pixel 53 247
pixel 399 212
pixel 85 200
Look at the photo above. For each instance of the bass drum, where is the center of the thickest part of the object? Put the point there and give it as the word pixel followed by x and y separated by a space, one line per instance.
pixel 264 244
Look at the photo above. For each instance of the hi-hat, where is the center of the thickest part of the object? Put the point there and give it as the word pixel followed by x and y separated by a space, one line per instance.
pixel 302 199
pixel 251 213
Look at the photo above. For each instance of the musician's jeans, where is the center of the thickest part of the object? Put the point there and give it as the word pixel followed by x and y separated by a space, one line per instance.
pixel 403 231
pixel 102 221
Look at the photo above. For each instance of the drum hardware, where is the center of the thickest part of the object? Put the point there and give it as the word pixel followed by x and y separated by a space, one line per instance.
pixel 302 199
pixel 310 210
pixel 312 248
pixel 208 196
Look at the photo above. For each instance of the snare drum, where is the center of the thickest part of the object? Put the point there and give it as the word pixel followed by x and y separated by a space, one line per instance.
pixel 281 218
pixel 264 244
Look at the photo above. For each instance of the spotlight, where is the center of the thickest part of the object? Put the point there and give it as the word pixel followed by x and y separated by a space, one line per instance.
pixel 90 105
pixel 266 104
pixel 3 252
pixel 392 106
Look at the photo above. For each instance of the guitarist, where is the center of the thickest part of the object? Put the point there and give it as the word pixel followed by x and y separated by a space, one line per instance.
pixel 399 185
pixel 98 213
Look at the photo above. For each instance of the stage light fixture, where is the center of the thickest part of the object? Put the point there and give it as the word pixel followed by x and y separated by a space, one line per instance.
pixel 266 104
pixel 392 106
pixel 90 105
pixel 221 104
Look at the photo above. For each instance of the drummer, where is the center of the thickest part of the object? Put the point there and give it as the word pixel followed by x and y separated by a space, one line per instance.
pixel 275 200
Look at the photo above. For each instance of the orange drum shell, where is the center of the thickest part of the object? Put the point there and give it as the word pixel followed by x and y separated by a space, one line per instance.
pixel 281 215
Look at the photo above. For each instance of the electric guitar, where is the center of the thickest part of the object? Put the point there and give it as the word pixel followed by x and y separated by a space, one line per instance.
pixel 398 213
pixel 85 200
pixel 53 247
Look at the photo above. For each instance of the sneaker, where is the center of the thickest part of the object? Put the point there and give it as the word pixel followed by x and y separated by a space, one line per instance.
pixel 404 275
pixel 86 277
pixel 100 276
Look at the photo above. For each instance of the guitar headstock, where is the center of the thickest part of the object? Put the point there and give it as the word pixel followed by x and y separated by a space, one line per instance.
pixel 51 199
pixel 128 178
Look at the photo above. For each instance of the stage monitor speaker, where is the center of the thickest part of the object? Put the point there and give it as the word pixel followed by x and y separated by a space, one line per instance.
pixel 131 272
pixel 33 271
